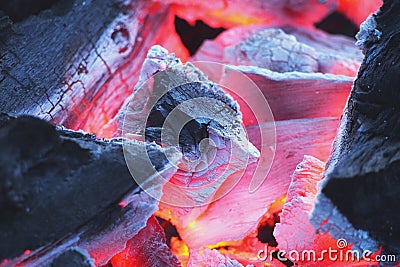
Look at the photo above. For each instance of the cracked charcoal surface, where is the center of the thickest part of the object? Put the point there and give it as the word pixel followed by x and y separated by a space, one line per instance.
pixel 275 50
pixel 53 181
pixel 286 49
pixel 65 64
pixel 197 128
pixel 18 65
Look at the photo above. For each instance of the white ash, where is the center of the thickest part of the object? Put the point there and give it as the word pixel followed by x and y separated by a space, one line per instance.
pixel 158 59
pixel 284 50
pixel 211 257
pixel 275 50
pixel 368 34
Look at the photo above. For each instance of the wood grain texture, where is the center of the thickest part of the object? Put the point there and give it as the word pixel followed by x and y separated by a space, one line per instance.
pixel 75 64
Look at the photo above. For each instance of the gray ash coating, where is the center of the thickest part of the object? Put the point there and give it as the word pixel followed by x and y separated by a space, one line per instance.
pixel 197 128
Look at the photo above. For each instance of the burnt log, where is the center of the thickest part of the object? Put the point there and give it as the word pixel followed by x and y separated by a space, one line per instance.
pixel 361 187
pixel 74 64
pixel 62 189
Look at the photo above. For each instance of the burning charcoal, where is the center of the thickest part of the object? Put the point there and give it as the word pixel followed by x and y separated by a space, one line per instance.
pixel 284 50
pixel 225 129
pixel 304 13
pixel 294 219
pixel 358 10
pixel 61 189
pixel 68 198
pixel 210 257
pixel 361 190
pixel 75 64
pixel 294 223
pixel 296 235
pixel 147 248
pixel 231 13
pixel 317 95
pixel 206 125
pixel 294 139
pixel 198 226
pixel 275 50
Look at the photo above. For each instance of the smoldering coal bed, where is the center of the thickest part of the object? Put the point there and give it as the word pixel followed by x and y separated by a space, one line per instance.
pixel 86 93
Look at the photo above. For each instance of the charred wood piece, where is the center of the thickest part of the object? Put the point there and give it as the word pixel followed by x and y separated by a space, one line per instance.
pixel 62 189
pixel 361 186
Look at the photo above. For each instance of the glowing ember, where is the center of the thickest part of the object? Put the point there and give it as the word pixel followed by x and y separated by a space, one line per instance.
pixel 314 249
pixel 98 93
pixel 147 248
pixel 232 13
pixel 358 10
